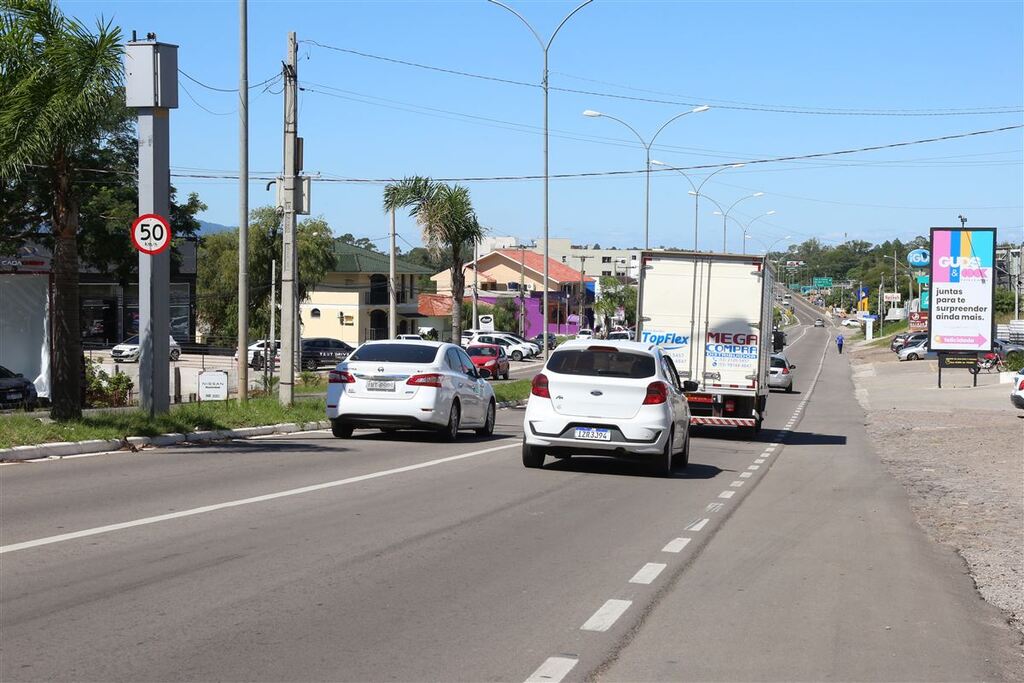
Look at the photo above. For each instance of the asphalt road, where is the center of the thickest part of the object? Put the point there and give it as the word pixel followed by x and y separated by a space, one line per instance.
pixel 303 557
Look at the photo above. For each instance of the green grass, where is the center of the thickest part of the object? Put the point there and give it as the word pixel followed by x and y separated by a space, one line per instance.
pixel 21 430
pixel 890 330
pixel 516 390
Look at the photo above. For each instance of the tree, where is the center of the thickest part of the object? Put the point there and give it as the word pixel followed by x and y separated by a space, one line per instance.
pixel 614 295
pixel 218 272
pixel 449 224
pixel 59 82
pixel 364 242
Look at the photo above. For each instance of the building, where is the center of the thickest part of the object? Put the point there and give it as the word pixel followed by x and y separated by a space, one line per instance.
pixel 1008 266
pixel 597 261
pixel 351 303
pixel 500 274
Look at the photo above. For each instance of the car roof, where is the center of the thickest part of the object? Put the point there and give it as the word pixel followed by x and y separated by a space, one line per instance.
pixel 621 344
pixel 417 342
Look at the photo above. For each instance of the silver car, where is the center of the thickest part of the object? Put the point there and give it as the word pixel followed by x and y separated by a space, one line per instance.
pixel 916 352
pixel 780 373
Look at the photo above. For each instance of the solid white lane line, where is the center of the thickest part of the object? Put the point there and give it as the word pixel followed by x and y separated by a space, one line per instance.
pixel 243 501
pixel 648 573
pixel 736 484
pixel 552 670
pixel 675 545
pixel 604 618
pixel 746 475
pixel 698 525
pixel 754 467
pixel 726 494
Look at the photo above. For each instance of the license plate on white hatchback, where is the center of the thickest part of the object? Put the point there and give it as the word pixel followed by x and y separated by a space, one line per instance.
pixel 379 385
pixel 593 434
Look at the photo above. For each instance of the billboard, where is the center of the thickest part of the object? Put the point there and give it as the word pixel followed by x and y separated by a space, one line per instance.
pixel 962 289
pixel 892 297
pixel 918 321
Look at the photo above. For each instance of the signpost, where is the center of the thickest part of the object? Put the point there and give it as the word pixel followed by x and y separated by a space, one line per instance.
pixel 213 385
pixel 151 234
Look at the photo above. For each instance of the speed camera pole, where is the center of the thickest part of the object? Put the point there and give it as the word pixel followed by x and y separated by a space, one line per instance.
pixel 289 260
pixel 151 87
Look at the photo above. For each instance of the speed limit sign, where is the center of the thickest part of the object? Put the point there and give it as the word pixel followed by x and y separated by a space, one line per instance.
pixel 151 234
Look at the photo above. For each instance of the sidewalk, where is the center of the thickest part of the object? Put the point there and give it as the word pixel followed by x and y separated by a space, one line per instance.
pixel 823 574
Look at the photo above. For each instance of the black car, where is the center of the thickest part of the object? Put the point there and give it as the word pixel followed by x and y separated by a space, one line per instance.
pixel 539 341
pixel 318 352
pixel 16 391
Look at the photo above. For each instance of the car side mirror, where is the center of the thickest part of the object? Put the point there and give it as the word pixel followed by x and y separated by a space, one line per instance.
pixel 690 385
pixel 18 374
pixel 792 366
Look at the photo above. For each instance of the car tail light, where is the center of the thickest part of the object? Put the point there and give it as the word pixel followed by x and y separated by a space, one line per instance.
pixel 539 387
pixel 602 349
pixel 657 393
pixel 430 379
pixel 340 377
pixel 1020 387
pixel 785 369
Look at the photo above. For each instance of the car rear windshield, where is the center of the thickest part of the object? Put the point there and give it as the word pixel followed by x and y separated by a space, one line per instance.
pixel 778 362
pixel 601 363
pixel 395 353
pixel 481 351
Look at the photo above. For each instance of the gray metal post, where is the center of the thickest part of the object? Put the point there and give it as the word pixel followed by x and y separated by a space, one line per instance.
pixel 243 202
pixel 289 258
pixel 268 355
pixel 476 291
pixel 392 292
pixel 547 179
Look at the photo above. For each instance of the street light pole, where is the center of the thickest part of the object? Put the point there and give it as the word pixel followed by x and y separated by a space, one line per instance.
pixel 695 192
pixel 746 228
pixel 725 216
pixel 647 166
pixel 545 48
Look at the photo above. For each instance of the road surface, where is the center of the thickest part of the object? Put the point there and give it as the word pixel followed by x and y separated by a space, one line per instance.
pixel 302 557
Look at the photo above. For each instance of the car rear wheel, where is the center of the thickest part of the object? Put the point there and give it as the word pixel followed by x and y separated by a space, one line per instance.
pixel 911 356
pixel 341 431
pixel 663 463
pixel 175 354
pixel 533 456
pixel 789 389
pixel 517 355
pixel 488 427
pixel 683 457
pixel 451 430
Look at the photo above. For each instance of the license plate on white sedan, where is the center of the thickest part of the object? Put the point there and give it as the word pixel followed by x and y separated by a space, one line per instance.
pixel 379 385
pixel 593 434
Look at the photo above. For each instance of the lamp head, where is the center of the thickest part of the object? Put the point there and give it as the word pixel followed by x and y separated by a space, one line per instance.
pixel 737 165
pixel 699 109
pixel 591 113
pixel 770 213
pixel 691 193
pixel 655 162
pixel 757 194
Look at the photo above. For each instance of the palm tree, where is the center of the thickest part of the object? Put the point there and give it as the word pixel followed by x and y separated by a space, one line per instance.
pixel 449 224
pixel 58 82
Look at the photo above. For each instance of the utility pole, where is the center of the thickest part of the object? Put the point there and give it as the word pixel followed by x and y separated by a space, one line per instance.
pixel 243 202
pixel 476 282
pixel 522 284
pixel 583 295
pixel 151 87
pixel 392 291
pixel 289 257
pixel 269 355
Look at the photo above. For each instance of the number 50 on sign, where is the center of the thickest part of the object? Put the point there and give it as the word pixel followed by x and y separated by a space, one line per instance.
pixel 151 234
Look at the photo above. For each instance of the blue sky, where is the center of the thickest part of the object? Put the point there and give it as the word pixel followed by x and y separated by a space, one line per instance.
pixel 382 119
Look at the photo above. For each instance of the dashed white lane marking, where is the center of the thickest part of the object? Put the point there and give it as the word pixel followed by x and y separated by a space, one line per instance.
pixel 726 494
pixel 552 670
pixel 675 545
pixel 648 573
pixel 604 618
pixel 698 525
pixel 738 483
pixel 746 475
pixel 769 449
pixel 754 467
pixel 759 461
pixel 714 507
pixel 244 501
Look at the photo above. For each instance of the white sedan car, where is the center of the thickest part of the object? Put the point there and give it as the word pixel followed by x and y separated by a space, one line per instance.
pixel 403 384
pixel 615 398
pixel 128 350
pixel 1017 393
pixel 852 322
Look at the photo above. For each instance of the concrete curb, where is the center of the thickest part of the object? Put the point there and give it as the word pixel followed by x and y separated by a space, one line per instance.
pixel 134 443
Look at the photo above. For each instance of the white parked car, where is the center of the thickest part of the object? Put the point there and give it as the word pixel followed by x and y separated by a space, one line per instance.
pixel 621 335
pixel 515 349
pixel 852 322
pixel 916 352
pixel 412 337
pixel 620 399
pixel 585 333
pixel 262 346
pixel 1017 393
pixel 128 350
pixel 399 384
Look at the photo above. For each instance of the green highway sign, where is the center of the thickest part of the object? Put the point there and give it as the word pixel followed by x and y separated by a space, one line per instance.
pixel 822 282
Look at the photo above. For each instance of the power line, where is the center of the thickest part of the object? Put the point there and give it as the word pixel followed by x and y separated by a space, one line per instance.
pixel 230 90
pixel 208 111
pixel 779 109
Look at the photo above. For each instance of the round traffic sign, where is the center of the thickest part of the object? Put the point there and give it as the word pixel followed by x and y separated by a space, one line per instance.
pixel 151 234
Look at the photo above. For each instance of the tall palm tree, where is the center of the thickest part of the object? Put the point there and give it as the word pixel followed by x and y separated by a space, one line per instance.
pixel 445 215
pixel 58 82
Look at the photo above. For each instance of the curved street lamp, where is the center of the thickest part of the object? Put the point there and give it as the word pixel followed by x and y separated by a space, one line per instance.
pixel 545 48
pixel 647 149
pixel 696 194
pixel 746 228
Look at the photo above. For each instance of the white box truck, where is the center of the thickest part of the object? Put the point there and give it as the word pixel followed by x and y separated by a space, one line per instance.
pixel 712 314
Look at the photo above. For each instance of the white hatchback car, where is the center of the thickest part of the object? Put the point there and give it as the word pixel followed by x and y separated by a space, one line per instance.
pixel 514 349
pixel 128 350
pixel 615 398
pixel 400 384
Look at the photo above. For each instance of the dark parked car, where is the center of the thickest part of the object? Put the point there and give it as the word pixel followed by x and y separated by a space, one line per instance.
pixel 16 391
pixel 539 341
pixel 319 352
pixel 903 340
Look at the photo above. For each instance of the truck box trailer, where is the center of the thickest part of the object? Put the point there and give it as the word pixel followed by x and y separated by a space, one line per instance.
pixel 712 313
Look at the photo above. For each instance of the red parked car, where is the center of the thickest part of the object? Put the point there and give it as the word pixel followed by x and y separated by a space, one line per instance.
pixel 490 360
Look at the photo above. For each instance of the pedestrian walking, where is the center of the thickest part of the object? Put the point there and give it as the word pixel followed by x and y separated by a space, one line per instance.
pixel 839 343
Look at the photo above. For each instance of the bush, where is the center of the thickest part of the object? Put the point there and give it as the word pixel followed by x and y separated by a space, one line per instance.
pixel 1015 361
pixel 310 378
pixel 105 390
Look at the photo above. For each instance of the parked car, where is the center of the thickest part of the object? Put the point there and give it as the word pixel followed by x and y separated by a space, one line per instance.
pixel 515 337
pixel 914 339
pixel 1017 392
pixel 413 337
pixel 539 341
pixel 621 335
pixel 490 360
pixel 1003 347
pixel 585 333
pixel 516 350
pixel 619 399
pixel 320 351
pixel 780 373
pixel 257 351
pixel 819 323
pixel 852 322
pixel 916 352
pixel 16 391
pixel 398 384
pixel 128 350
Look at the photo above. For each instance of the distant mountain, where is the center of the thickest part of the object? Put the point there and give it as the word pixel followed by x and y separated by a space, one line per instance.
pixel 208 228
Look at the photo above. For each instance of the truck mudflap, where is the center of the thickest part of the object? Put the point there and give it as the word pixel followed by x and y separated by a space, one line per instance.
pixel 723 421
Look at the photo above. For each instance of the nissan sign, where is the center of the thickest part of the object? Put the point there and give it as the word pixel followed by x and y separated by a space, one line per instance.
pixel 919 258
